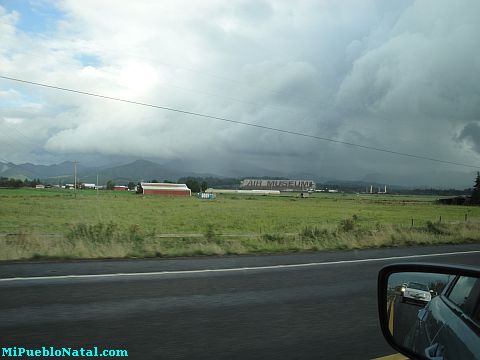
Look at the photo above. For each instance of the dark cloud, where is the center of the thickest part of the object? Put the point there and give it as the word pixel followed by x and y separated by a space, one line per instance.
pixel 471 134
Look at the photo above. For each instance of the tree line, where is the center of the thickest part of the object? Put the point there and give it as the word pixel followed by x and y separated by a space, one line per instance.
pixel 18 183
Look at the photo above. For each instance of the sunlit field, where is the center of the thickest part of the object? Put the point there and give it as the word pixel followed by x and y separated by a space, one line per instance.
pixel 61 224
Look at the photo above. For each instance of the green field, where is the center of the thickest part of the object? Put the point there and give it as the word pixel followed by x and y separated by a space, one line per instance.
pixel 59 224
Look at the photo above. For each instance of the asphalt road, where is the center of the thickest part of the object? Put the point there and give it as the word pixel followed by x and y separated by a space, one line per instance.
pixel 176 310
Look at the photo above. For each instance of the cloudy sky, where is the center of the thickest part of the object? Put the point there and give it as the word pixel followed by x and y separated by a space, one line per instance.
pixel 400 75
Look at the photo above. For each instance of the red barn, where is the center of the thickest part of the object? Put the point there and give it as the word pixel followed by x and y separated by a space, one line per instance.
pixel 120 188
pixel 166 189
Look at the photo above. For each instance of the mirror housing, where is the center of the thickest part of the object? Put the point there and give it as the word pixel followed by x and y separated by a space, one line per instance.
pixel 392 298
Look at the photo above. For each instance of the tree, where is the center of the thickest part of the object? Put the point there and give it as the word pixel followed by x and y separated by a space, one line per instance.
pixel 204 186
pixel 12 183
pixel 131 185
pixel 139 188
pixel 110 185
pixel 476 190
pixel 437 286
pixel 193 185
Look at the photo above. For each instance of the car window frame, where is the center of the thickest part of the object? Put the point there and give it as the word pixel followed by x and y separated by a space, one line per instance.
pixel 467 314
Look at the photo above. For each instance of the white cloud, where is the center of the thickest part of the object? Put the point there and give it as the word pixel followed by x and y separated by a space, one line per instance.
pixel 402 76
pixel 13 121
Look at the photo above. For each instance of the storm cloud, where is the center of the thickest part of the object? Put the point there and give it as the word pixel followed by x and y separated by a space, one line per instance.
pixel 401 75
pixel 471 134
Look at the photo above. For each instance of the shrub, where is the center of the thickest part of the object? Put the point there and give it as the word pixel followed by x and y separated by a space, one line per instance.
pixel 209 232
pixel 134 233
pixel 272 237
pixel 313 233
pixel 436 228
pixel 98 233
pixel 347 225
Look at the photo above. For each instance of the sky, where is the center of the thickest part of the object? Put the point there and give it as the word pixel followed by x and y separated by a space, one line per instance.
pixel 402 76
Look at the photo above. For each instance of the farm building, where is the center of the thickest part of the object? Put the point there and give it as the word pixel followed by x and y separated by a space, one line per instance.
pixel 278 185
pixel 457 200
pixel 166 189
pixel 87 186
pixel 242 192
pixel 120 188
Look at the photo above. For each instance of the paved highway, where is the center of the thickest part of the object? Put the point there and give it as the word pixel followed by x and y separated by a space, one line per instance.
pixel 302 306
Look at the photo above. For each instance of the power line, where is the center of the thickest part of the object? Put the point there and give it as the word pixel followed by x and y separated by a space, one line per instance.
pixel 283 131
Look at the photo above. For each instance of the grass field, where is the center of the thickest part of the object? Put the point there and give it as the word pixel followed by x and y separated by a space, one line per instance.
pixel 57 224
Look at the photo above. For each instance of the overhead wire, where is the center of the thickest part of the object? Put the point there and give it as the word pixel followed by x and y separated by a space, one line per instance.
pixel 244 123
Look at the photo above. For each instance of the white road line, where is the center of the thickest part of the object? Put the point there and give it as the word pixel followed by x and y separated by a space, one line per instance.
pixel 269 267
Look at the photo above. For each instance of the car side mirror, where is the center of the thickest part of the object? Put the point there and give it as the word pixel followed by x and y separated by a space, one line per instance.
pixel 430 311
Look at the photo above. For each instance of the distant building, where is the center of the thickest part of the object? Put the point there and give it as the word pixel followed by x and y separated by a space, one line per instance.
pixel 279 185
pixel 457 200
pixel 243 192
pixel 120 188
pixel 380 191
pixel 87 186
pixel 39 186
pixel 384 191
pixel 166 189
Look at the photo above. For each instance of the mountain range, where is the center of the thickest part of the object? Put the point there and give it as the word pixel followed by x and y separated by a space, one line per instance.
pixel 64 172
pixel 144 170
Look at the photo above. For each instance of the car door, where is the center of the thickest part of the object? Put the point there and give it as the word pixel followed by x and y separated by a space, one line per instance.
pixel 451 325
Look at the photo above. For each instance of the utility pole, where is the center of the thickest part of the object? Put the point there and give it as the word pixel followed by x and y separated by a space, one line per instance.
pixel 75 177
pixel 97 185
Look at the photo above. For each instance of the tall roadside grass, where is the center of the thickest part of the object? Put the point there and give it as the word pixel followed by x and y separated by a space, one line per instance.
pixel 110 240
